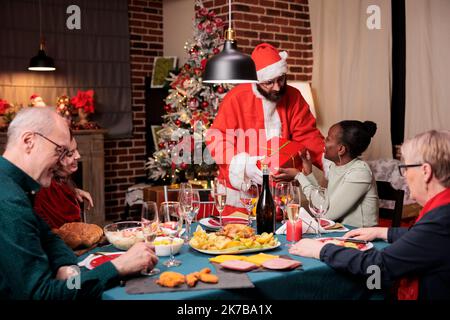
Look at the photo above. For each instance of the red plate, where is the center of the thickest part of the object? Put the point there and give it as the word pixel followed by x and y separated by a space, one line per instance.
pixel 341 242
pixel 102 259
pixel 324 223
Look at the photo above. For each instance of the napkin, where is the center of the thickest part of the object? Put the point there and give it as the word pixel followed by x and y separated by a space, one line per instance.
pixel 309 225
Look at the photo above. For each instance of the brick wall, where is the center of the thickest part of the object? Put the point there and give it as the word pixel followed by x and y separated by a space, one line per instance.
pixel 125 158
pixel 284 24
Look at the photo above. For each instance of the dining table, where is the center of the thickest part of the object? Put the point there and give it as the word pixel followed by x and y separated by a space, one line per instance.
pixel 315 280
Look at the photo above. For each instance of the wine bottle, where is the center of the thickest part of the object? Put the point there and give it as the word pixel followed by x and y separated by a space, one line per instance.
pixel 265 209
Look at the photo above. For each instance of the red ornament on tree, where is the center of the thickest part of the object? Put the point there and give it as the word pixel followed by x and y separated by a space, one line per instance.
pixel 178 122
pixel 205 104
pixel 167 107
pixel 216 50
pixel 161 145
pixel 183 166
pixel 220 89
pixel 198 71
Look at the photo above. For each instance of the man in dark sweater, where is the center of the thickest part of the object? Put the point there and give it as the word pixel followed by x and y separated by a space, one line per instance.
pixel 34 262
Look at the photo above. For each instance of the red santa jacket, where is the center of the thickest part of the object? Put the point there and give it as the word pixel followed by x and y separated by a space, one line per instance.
pixel 244 108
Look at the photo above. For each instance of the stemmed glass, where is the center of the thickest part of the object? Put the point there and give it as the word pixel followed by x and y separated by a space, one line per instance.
pixel 150 220
pixel 281 193
pixel 248 195
pixel 219 192
pixel 293 204
pixel 171 212
pixel 190 205
pixel 185 199
pixel 319 203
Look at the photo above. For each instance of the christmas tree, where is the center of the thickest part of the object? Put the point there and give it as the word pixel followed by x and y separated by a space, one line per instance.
pixel 191 107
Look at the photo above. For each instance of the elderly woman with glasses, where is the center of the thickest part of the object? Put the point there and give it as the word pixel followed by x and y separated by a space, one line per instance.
pixel 418 260
pixel 60 202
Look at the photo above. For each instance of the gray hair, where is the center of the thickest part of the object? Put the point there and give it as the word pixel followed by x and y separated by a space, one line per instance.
pixel 432 147
pixel 36 119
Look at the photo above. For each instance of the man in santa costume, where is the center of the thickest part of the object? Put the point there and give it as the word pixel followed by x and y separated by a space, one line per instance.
pixel 257 113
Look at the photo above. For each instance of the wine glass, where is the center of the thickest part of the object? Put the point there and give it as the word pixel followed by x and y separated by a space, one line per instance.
pixel 190 214
pixel 319 203
pixel 219 191
pixel 281 193
pixel 150 220
pixel 293 204
pixel 185 187
pixel 171 212
pixel 185 198
pixel 248 195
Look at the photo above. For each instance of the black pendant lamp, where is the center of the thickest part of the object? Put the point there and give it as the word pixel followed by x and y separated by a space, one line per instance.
pixel 41 62
pixel 231 65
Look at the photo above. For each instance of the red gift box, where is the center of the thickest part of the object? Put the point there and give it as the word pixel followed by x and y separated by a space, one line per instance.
pixel 281 153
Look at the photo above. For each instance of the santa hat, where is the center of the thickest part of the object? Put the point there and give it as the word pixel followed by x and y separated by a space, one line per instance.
pixel 269 62
pixel 33 96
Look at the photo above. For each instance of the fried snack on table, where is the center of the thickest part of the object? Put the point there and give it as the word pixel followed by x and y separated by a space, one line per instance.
pixel 192 278
pixel 234 230
pixel 170 279
pixel 219 241
pixel 205 270
pixel 209 278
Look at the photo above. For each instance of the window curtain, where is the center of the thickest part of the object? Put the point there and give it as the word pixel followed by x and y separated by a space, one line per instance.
pixel 427 66
pixel 95 57
pixel 352 67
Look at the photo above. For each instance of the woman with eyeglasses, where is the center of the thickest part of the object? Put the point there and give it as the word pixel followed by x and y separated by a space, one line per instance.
pixel 418 259
pixel 60 202
pixel 351 186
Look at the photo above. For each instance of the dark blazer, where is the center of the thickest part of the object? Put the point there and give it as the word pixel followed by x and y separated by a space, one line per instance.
pixel 421 251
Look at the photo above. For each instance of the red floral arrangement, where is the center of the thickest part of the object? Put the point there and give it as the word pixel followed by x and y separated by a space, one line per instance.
pixel 4 105
pixel 84 100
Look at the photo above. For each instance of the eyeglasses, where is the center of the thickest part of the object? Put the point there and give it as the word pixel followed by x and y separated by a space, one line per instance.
pixel 269 84
pixel 403 167
pixel 60 150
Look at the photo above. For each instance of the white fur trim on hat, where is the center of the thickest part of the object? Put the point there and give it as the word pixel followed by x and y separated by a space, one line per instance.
pixel 274 70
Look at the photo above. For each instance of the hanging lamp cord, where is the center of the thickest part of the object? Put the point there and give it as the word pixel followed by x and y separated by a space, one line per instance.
pixel 41 39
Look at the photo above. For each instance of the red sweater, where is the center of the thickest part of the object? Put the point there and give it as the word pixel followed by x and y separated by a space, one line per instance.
pixel 57 204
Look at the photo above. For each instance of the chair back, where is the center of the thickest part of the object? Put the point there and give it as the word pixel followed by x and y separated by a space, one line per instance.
pixel 387 192
pixel 206 202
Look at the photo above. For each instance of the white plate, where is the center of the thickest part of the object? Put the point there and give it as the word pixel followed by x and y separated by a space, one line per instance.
pixel 171 232
pixel 205 222
pixel 87 262
pixel 369 245
pixel 234 251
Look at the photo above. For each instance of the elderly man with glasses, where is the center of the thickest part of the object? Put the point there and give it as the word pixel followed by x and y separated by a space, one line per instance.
pixel 34 262
pixel 261 111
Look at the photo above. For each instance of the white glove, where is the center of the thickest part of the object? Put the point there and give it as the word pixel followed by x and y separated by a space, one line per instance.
pixel 251 170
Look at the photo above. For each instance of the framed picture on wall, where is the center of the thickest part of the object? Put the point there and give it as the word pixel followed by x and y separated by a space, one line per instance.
pixel 155 134
pixel 161 69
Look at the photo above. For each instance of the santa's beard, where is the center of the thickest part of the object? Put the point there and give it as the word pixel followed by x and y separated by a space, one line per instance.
pixel 272 95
